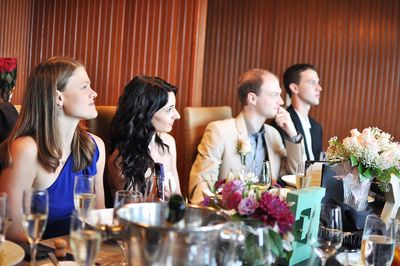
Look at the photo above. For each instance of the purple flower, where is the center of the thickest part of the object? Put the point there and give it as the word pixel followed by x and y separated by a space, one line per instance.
pixel 247 206
pixel 206 201
pixel 234 185
pixel 232 193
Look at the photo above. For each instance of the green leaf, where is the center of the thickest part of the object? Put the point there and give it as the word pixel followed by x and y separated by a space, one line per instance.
pixel 276 244
pixel 353 160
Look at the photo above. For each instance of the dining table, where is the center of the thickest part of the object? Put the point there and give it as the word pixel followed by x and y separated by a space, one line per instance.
pixel 110 253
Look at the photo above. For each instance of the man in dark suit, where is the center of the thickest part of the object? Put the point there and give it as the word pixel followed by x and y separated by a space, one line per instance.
pixel 301 83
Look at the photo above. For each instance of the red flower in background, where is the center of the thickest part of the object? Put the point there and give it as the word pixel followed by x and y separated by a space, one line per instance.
pixel 8 65
pixel 8 77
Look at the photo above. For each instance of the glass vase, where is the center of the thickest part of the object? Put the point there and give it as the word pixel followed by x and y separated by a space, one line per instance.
pixel 355 191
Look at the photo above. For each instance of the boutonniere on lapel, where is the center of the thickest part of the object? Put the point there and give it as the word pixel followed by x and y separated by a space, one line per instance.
pixel 243 148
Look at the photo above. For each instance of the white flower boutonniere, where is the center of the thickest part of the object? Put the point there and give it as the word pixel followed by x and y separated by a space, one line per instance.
pixel 243 148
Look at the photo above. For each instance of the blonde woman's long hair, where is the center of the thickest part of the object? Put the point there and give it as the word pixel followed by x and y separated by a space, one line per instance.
pixel 38 118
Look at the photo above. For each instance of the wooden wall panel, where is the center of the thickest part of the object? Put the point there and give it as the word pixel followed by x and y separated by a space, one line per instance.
pixel 355 44
pixel 14 38
pixel 116 40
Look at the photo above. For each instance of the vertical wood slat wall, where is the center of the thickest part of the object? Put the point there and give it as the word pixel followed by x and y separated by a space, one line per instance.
pixel 14 39
pixel 355 45
pixel 116 40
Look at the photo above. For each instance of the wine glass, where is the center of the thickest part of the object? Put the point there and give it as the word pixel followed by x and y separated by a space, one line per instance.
pixel 3 217
pixel 85 240
pixel 84 197
pixel 123 197
pixel 35 206
pixel 325 233
pixel 378 241
pixel 264 178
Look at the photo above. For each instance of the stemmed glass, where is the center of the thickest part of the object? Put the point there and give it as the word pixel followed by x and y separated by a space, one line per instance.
pixel 378 242
pixel 123 197
pixel 35 206
pixel 84 197
pixel 264 179
pixel 85 240
pixel 3 217
pixel 326 236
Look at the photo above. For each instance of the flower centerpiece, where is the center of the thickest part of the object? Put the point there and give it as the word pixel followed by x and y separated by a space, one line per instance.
pixel 8 77
pixel 245 202
pixel 371 154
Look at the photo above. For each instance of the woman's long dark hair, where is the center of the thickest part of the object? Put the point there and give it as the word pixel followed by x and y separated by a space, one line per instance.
pixel 132 130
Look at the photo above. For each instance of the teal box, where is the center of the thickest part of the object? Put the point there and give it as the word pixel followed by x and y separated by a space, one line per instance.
pixel 306 201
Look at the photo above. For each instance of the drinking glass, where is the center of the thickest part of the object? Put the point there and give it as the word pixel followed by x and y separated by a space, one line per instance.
pixel 35 205
pixel 85 240
pixel 84 197
pixel 3 217
pixel 150 192
pixel 168 190
pixel 378 241
pixel 123 197
pixel 264 178
pixel 325 233
pixel 302 180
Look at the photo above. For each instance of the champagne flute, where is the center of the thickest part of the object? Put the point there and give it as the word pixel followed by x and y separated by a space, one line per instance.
pixel 264 179
pixel 35 206
pixel 326 236
pixel 3 217
pixel 85 240
pixel 378 242
pixel 84 197
pixel 123 197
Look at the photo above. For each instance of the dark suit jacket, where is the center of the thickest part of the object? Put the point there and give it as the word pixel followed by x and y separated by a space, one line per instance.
pixel 316 132
pixel 8 118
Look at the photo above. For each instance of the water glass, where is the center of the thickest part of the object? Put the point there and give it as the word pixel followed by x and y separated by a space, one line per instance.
pixel 378 242
pixel 84 196
pixel 35 207
pixel 85 240
pixel 3 217
pixel 123 197
pixel 325 234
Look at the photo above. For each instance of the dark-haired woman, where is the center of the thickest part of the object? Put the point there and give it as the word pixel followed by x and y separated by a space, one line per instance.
pixel 47 147
pixel 139 135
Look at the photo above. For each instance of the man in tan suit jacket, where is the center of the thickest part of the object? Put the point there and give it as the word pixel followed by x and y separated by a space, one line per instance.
pixel 259 92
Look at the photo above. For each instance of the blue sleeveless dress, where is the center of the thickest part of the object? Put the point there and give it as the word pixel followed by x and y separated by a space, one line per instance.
pixel 61 197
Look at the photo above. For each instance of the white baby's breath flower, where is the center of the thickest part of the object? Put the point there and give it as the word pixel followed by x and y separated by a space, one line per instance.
pixel 372 148
pixel 354 132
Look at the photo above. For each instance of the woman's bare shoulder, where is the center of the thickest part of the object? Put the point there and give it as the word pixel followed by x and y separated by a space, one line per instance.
pixel 98 140
pixel 167 138
pixel 24 147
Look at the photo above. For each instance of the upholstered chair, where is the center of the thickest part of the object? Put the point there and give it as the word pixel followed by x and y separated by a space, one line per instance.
pixel 195 122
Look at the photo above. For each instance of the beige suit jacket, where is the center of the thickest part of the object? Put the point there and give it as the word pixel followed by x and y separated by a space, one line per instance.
pixel 218 156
